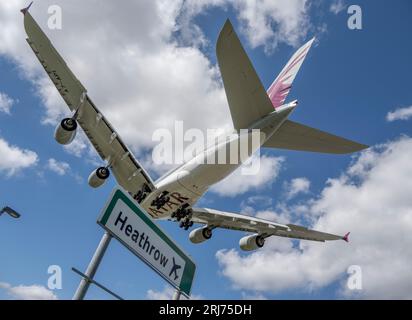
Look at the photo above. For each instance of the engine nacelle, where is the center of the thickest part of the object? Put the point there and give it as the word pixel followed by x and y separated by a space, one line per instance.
pixel 252 242
pixel 98 177
pixel 200 234
pixel 66 131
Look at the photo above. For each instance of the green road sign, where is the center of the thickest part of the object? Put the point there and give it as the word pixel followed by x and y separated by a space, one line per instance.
pixel 124 219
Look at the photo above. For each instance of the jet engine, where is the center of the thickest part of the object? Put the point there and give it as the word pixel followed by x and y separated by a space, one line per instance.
pixel 66 131
pixel 98 177
pixel 252 242
pixel 200 234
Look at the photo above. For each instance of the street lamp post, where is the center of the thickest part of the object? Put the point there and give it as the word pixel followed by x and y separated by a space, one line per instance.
pixel 12 213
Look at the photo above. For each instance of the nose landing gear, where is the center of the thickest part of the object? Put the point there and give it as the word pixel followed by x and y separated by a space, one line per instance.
pixel 161 200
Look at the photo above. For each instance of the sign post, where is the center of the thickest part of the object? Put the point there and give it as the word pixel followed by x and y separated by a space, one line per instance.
pixel 92 268
pixel 124 219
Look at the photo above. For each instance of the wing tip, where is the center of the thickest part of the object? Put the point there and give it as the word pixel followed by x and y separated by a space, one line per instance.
pixel 360 147
pixel 346 237
pixel 311 41
pixel 355 147
pixel 25 10
pixel 226 30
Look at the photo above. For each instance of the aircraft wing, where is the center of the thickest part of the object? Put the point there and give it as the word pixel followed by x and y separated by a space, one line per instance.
pixel 234 221
pixel 110 147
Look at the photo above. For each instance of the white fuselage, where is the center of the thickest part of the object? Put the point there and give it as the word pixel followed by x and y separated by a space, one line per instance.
pixel 188 183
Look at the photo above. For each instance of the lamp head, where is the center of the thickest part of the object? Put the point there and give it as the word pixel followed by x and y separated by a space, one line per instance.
pixel 12 213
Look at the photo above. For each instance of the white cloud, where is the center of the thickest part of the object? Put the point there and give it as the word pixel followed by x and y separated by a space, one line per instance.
pixel 296 186
pixel 373 202
pixel 273 216
pixel 146 79
pixel 167 294
pixel 33 292
pixel 13 159
pixel 257 200
pixel 253 296
pixel 337 6
pixel 78 146
pixel 239 183
pixel 399 114
pixel 6 103
pixel 264 22
pixel 59 167
pixel 258 17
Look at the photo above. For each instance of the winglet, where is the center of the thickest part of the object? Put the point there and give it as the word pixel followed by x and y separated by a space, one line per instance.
pixel 346 237
pixel 25 10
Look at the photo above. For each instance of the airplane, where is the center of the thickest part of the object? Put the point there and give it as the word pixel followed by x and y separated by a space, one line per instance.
pixel 174 195
pixel 174 269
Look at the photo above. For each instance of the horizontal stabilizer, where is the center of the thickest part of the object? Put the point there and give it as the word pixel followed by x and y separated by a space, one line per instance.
pixel 295 136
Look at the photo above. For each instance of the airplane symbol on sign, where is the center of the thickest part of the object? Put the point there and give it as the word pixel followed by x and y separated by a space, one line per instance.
pixel 174 269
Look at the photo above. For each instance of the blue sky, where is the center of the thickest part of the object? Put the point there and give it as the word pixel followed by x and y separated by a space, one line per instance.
pixel 349 82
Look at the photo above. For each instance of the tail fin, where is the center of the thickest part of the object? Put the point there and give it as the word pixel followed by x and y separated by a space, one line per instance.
pixel 280 88
pixel 247 98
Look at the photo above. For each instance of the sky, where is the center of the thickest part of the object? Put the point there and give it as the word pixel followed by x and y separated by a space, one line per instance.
pixel 148 63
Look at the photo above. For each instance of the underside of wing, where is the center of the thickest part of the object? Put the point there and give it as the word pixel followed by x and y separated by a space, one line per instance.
pixel 108 144
pixel 234 221
pixel 295 136
pixel 127 170
pixel 65 81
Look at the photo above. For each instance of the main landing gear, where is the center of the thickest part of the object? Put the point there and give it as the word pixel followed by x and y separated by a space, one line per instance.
pixel 142 194
pixel 184 215
pixel 161 200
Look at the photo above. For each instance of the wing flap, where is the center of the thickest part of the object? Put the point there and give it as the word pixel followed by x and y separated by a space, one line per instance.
pixel 295 136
